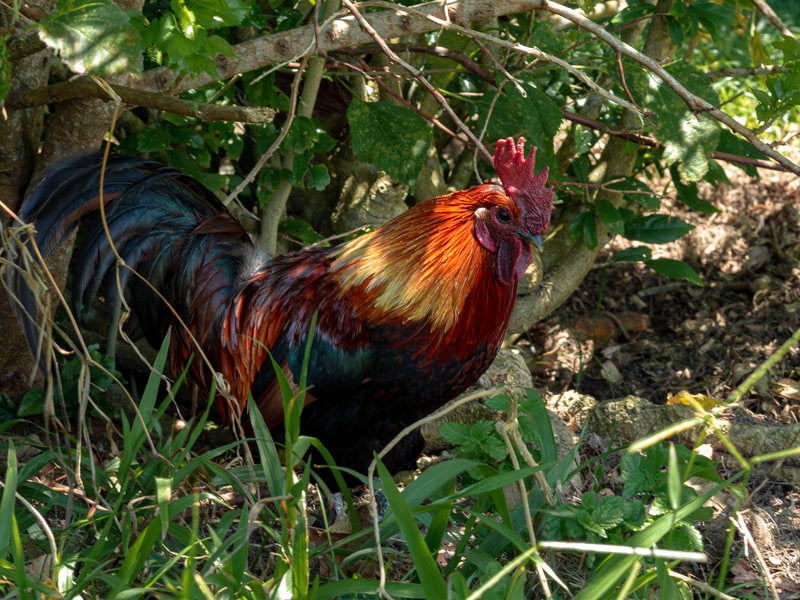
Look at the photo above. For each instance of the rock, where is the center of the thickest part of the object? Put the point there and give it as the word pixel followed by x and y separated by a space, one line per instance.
pixel 632 418
pixel 509 368
pixel 573 408
pixel 368 197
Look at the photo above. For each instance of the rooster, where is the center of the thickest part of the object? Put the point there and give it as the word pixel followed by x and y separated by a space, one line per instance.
pixel 408 316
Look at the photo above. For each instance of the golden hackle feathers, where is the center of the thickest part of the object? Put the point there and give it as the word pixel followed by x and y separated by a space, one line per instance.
pixel 422 265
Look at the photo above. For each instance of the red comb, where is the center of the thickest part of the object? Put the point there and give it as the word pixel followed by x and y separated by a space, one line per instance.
pixel 529 191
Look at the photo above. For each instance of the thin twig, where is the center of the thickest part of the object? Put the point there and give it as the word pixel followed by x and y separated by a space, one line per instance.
pixel 695 103
pixel 440 51
pixel 703 587
pixel 504 429
pixel 623 81
pixel 413 107
pixel 770 15
pixel 752 545
pixel 262 160
pixel 501 69
pixel 517 47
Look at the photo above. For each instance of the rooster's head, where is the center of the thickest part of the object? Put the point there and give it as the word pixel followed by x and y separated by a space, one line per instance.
pixel 506 228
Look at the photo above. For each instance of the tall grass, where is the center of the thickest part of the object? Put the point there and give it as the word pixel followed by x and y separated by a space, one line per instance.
pixel 157 511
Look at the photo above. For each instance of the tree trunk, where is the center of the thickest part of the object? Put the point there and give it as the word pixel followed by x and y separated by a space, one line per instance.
pixel 572 260
pixel 29 144
pixel 20 132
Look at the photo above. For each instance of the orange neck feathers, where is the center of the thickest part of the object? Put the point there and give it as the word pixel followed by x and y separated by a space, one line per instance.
pixel 426 267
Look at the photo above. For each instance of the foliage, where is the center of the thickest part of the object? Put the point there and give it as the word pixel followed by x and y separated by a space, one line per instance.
pixel 93 36
pixel 375 120
pixel 410 133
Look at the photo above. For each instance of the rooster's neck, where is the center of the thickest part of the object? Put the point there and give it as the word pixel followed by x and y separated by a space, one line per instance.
pixel 427 268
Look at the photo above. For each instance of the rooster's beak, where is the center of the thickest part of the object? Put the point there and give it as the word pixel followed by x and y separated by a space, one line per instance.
pixel 533 237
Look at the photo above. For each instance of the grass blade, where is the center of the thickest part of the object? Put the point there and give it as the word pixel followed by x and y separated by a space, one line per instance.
pixel 431 578
pixel 267 451
pixel 7 500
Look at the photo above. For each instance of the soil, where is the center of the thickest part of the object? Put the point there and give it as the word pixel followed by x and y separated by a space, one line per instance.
pixel 629 330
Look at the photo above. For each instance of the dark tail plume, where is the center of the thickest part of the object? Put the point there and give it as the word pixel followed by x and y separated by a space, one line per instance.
pixel 164 225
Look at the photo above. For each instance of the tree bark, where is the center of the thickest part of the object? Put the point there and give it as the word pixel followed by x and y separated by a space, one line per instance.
pixel 27 146
pixel 20 132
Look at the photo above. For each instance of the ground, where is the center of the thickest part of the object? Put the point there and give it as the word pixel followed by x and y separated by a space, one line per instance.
pixel 628 330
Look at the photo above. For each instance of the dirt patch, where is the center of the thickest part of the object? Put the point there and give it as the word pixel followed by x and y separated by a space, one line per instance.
pixel 661 336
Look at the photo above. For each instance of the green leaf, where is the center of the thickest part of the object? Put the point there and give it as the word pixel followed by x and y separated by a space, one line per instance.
pixel 7 500
pixel 32 403
pixel 607 514
pixel 536 117
pixel 638 474
pixel 136 556
pixel 656 229
pixel 355 588
pixel 690 145
pixel 300 229
pixel 634 254
pixel 584 139
pixel 93 36
pixel 218 45
pixel 674 269
pixel 711 15
pixel 5 68
pixel 690 195
pixel 154 139
pixel 188 48
pixel 213 14
pixel 610 216
pixel 393 138
pixel 637 192
pixel 302 135
pixel 163 499
pixel 319 177
pixel 688 138
pixel 632 13
pixel 428 571
pixel 585 225
pixel 617 567
pixel 476 440
pixel 735 145
pixel 498 481
pixel 534 421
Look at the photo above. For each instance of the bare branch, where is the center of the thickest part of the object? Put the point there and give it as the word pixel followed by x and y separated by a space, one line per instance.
pixel 85 87
pixel 409 105
pixel 769 14
pixel 334 34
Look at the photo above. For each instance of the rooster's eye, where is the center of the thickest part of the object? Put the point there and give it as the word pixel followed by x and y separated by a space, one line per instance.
pixel 503 215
